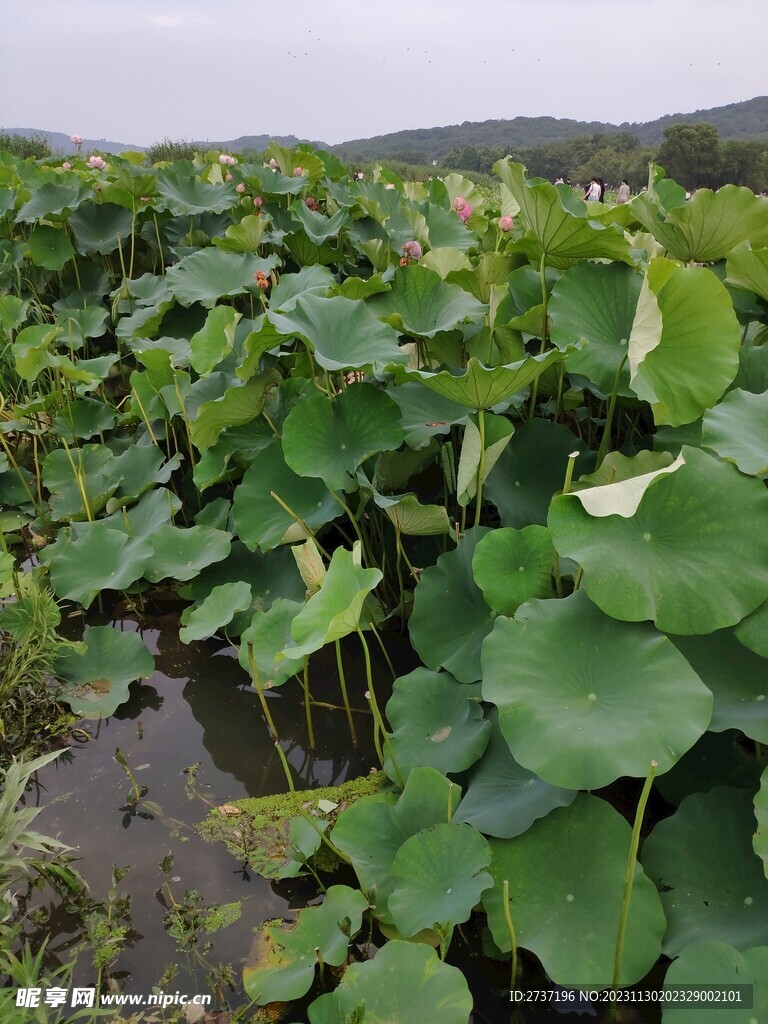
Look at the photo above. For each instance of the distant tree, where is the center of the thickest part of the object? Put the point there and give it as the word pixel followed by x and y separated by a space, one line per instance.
pixel 170 150
pixel 690 153
pixel 744 163
pixel 36 146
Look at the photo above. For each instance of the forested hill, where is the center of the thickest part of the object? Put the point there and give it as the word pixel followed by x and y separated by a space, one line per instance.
pixel 745 120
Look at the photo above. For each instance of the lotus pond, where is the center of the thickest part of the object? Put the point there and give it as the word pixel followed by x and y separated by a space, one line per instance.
pixel 444 508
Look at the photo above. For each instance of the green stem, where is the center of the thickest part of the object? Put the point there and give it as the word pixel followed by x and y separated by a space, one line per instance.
pixel 511 930
pixel 606 438
pixel 544 302
pixel 566 488
pixel 343 684
pixel 307 529
pixel 262 699
pixel 308 703
pixel 286 769
pixel 376 712
pixel 631 866
pixel 480 465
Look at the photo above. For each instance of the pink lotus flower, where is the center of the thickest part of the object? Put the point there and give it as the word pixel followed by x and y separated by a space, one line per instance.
pixel 227 177
pixel 273 164
pixel 76 140
pixel 389 185
pixel 465 212
pixel 67 165
pixel 226 160
pixel 239 187
pixel 412 249
pixel 298 171
pixel 506 223
pixel 459 203
pixel 97 162
pixel 311 203
pixel 258 201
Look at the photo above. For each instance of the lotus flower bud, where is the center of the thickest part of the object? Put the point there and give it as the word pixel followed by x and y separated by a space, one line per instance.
pixel 459 203
pixel 258 201
pixel 67 165
pixel 76 140
pixel 506 223
pixel 97 163
pixel 465 212
pixel 273 164
pixel 227 160
pixel 412 249
pixel 311 203
pixel 227 176
pixel 389 185
pixel 261 279
pixel 240 187
pixel 298 171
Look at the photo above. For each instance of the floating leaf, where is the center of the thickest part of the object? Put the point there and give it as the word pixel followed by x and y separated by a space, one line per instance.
pixel 569 715
pixel 98 677
pixel 436 722
pixel 565 896
pixel 713 885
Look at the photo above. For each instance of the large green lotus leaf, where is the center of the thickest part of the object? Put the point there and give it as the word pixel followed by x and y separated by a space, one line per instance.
pixel 706 227
pixel 49 247
pixel 760 838
pixel 737 429
pixel 684 343
pixel 497 433
pixel 342 332
pixel 596 302
pixel 200 621
pixel 13 312
pixel 560 226
pixel 405 982
pixel 748 268
pixel 616 467
pixel 450 619
pixel 271 183
pixel 185 195
pixel 33 350
pixel 99 559
pixel 335 609
pixel 215 340
pixel 712 885
pixel 752 631
pixel 565 711
pixel 420 303
pixel 101 227
pixel 52 198
pixel 566 879
pixel 317 226
pixel 65 472
pixel 312 280
pixel 436 722
pixel 718 965
pixel 693 556
pixel 98 677
pixel 512 566
pixel 531 470
pixel 372 830
pixel 210 274
pixel 425 413
pixel 260 520
pixel 180 554
pixel 446 230
pixel 410 517
pixel 737 677
pixel 283 960
pixel 267 635
pixel 247 236
pixel 503 799
pixel 154 509
pixel 438 876
pixel 329 439
pixel 238 405
pixel 481 387
pixel 138 468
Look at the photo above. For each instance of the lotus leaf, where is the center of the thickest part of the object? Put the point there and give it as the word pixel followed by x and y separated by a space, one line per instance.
pixel 684 343
pixel 238 405
pixel 208 275
pixel 450 619
pixel 719 965
pixel 215 340
pixel 712 885
pixel 330 439
pixel 187 195
pixel 503 799
pixel 217 610
pixel 512 566
pixel 421 304
pixel 438 876
pixel 737 429
pixel 693 557
pixel 309 281
pixel 404 983
pixel 752 631
pixel 283 961
pixel 425 413
pixel 341 332
pixel 100 227
pixel 410 517
pixel 97 678
pixel 267 635
pixel 180 554
pixel 565 711
pixel 262 521
pixel 101 558
pixel 436 722
pixel 52 198
pixel 565 896
pixel 49 247
pixel 748 268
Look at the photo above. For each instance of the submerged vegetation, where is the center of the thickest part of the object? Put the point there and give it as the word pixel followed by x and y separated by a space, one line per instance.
pixel 527 432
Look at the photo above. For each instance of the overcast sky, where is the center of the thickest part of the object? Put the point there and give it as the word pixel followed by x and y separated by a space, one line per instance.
pixel 137 71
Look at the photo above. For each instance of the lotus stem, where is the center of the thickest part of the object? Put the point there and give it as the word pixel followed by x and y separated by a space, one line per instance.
pixel 480 466
pixel 631 865
pixel 511 930
pixel 544 301
pixel 384 650
pixel 377 713
pixel 297 518
pixel 286 769
pixel 262 699
pixel 343 685
pixel 606 438
pixel 308 703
